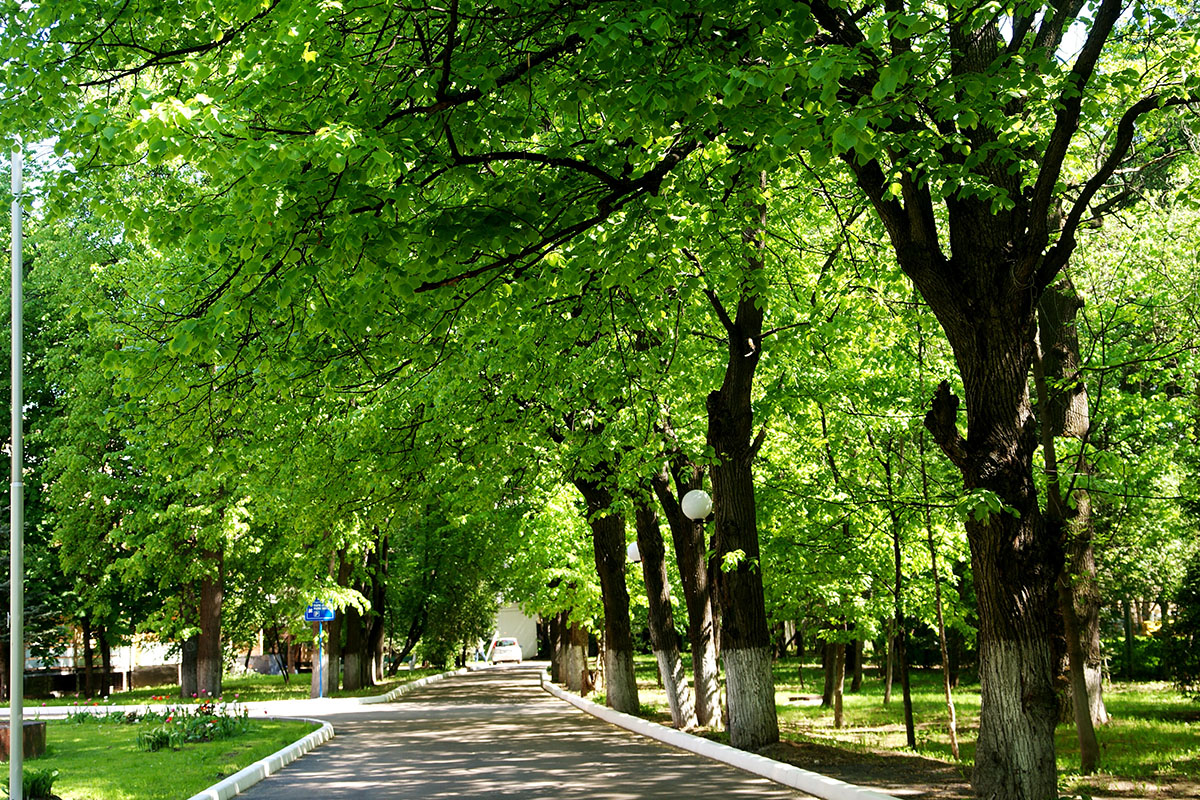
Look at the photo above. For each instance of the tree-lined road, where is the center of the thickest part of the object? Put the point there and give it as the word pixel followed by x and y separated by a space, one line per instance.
pixel 493 734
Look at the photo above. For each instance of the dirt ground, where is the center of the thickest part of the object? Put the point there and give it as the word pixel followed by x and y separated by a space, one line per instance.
pixel 912 777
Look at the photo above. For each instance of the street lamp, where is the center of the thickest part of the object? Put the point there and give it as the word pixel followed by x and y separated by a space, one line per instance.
pixel 632 554
pixel 696 505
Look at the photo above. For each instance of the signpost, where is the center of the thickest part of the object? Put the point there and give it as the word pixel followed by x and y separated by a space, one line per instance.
pixel 319 613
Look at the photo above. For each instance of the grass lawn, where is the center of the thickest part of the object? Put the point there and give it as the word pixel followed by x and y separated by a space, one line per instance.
pixel 1154 736
pixel 243 687
pixel 99 761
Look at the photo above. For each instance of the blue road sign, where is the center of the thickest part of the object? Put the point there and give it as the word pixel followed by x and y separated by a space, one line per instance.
pixel 318 612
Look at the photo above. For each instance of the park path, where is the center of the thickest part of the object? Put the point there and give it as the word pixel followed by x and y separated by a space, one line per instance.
pixel 496 734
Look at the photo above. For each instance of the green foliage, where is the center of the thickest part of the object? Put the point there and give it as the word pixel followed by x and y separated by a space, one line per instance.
pixel 36 784
pixel 1181 636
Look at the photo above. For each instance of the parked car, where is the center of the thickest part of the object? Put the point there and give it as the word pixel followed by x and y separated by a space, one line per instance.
pixel 506 649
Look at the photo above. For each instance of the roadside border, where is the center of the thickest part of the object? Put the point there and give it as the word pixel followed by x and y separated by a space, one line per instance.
pixel 244 778
pixel 791 776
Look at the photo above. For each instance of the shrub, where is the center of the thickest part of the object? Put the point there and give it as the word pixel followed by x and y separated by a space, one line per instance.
pixel 35 783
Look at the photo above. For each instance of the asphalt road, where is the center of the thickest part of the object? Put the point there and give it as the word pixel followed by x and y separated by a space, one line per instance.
pixel 496 734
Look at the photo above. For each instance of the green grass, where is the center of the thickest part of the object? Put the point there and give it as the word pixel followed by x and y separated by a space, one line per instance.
pixel 1154 734
pixel 101 761
pixel 243 687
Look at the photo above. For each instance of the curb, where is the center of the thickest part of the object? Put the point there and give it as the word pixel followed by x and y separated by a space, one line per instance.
pixel 794 777
pixel 243 779
pixel 405 688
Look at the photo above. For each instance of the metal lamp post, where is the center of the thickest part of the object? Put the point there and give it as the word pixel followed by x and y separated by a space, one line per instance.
pixel 16 709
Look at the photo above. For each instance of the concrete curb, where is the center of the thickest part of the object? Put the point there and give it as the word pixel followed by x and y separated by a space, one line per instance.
pixel 242 780
pixel 786 774
pixel 404 689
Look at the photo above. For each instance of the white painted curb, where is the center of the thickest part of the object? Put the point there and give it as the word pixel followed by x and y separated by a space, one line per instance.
pixel 405 688
pixel 243 779
pixel 786 774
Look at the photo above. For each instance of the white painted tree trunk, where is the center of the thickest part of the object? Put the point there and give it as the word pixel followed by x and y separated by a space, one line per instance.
pixel 620 685
pixel 749 688
pixel 674 679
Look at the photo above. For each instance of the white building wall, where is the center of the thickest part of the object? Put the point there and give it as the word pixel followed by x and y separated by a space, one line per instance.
pixel 512 621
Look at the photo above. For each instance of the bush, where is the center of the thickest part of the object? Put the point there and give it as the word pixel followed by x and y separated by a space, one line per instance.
pixel 35 783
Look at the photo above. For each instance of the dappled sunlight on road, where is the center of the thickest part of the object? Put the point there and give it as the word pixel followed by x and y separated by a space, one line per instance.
pixel 495 733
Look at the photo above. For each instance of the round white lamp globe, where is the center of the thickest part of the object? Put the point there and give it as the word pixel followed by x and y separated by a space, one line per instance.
pixel 632 553
pixel 696 504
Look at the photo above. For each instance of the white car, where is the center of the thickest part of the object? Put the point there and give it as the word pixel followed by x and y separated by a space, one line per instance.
pixel 506 649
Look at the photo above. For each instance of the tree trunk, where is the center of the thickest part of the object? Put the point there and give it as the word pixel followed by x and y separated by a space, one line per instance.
pixel 1014 558
pixel 377 563
pixel 857 680
pixel 89 658
pixel 333 629
pixel 829 668
pixel 1064 409
pixel 898 595
pixel 573 657
pixel 209 657
pixel 608 545
pixel 188 685
pixel 952 723
pixel 353 650
pixel 662 621
pixel 745 641
pixel 105 662
pixel 5 672
pixel 839 682
pixel 691 557
pixel 889 669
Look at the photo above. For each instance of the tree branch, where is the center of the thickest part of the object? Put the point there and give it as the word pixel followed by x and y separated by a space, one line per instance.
pixel 942 422
pixel 1058 255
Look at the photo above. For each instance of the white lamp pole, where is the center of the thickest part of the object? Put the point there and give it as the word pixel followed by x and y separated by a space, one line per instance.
pixel 16 689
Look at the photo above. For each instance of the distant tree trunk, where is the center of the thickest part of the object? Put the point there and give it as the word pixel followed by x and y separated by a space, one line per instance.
pixel 839 682
pixel 5 648
pixel 188 662
pixel 210 664
pixel 901 624
pixel 856 681
pixel 416 628
pixel 105 662
pixel 691 556
pixel 889 669
pixel 283 653
pixel 377 563
pixel 333 628
pixel 554 633
pixel 910 730
pixel 608 545
pixel 572 655
pixel 89 676
pixel 1128 621
pixel 952 724
pixel 662 621
pixel 829 664
pixel 353 650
